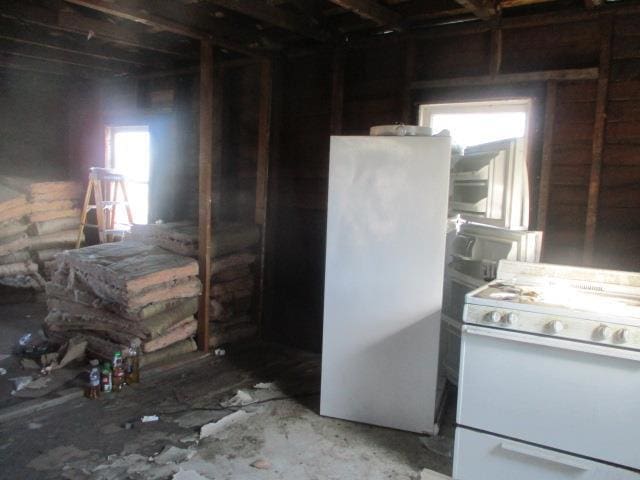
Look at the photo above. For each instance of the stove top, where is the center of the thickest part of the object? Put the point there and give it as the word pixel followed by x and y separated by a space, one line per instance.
pixel 576 303
pixel 555 296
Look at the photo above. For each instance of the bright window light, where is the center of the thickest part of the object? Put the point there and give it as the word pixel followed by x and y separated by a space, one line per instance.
pixel 131 157
pixel 474 123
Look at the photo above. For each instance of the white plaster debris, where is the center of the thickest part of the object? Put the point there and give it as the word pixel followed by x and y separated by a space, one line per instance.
pixel 149 418
pixel 427 474
pixel 240 399
pixel 21 382
pixel 220 352
pixel 3 371
pixel 172 454
pixel 213 429
pixel 263 386
pixel 188 475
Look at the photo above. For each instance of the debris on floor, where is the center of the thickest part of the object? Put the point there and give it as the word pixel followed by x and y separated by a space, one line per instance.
pixel 188 475
pixel 427 474
pixel 261 464
pixel 173 454
pixel 214 428
pixel 439 445
pixel 263 386
pixel 240 399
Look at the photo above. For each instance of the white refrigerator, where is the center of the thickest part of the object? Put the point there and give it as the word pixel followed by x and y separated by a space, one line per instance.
pixel 386 233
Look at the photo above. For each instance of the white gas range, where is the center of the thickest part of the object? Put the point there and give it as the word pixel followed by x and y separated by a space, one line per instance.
pixel 550 376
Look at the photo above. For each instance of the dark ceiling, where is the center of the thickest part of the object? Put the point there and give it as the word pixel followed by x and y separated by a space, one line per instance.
pixel 99 38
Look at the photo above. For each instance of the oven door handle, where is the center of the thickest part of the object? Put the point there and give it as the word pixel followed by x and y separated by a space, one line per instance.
pixel 608 351
pixel 546 455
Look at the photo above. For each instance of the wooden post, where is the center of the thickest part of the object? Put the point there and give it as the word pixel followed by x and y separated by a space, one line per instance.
pixel 547 147
pixel 264 132
pixel 204 189
pixel 496 52
pixel 606 30
pixel 262 172
pixel 409 74
pixel 337 92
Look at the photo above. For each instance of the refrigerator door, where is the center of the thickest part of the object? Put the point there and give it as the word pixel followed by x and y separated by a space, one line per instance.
pixel 386 229
pixel 490 184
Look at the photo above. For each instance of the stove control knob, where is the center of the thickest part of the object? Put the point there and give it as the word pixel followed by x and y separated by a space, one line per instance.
pixel 510 319
pixel 602 332
pixel 494 317
pixel 623 335
pixel 555 326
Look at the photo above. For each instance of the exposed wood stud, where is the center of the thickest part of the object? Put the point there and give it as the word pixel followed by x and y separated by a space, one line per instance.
pixel 483 9
pixel 409 75
pixel 205 169
pixel 262 172
pixel 496 52
pixel 371 10
pixel 337 92
pixel 606 33
pixel 509 78
pixel 547 146
pixel 264 134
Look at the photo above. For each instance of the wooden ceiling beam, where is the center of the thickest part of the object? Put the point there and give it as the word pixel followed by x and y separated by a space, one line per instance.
pixel 62 55
pixel 483 9
pixel 592 4
pixel 43 65
pixel 66 20
pixel 37 37
pixel 371 10
pixel 278 17
pixel 162 24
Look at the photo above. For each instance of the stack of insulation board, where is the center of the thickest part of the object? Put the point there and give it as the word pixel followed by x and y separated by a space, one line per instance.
pixel 114 293
pixel 233 292
pixel 17 269
pixel 52 220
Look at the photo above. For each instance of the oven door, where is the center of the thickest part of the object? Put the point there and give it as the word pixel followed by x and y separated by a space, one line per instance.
pixel 576 397
pixel 480 456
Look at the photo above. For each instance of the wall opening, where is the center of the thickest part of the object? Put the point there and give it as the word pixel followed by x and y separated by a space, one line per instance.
pixel 475 123
pixel 129 153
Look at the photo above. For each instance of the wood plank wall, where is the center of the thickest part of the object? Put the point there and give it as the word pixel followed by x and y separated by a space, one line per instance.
pixel 618 230
pixel 374 92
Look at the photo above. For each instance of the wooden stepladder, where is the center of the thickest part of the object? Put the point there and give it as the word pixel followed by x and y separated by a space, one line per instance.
pixel 103 186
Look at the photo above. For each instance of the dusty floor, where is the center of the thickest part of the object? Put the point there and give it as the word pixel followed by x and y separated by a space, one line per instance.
pixel 280 430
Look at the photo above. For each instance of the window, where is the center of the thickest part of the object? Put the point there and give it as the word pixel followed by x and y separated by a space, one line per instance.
pixel 128 152
pixel 474 123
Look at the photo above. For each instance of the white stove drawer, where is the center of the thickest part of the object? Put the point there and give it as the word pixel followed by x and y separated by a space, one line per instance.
pixel 479 456
pixel 571 396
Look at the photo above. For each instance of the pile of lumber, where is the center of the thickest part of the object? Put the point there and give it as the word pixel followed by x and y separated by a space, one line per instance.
pixel 115 293
pixel 233 278
pixel 38 219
